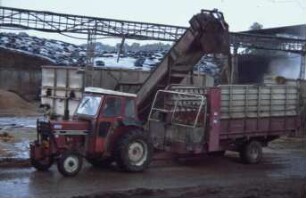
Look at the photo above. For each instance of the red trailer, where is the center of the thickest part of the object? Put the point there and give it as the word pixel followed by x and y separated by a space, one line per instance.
pixel 243 118
pixel 182 120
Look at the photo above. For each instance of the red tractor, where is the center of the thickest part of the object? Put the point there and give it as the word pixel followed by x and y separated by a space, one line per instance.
pixel 104 129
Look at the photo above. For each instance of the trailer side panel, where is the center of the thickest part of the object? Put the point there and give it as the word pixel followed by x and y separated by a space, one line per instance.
pixel 252 110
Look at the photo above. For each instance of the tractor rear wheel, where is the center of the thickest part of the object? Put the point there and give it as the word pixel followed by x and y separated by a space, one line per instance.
pixel 69 164
pixel 133 152
pixel 42 165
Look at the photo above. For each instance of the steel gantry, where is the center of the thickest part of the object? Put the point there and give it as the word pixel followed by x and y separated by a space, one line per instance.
pixel 68 23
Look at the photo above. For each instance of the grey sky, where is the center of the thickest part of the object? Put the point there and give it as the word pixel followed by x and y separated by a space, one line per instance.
pixel 240 14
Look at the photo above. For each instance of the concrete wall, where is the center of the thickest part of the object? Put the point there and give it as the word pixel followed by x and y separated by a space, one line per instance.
pixel 109 78
pixel 20 73
pixel 58 83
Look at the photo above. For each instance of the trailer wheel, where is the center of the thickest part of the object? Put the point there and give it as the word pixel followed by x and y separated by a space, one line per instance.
pixel 251 153
pixel 105 163
pixel 133 152
pixel 69 164
pixel 42 165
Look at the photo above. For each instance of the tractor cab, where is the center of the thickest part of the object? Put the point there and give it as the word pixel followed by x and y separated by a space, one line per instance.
pixel 97 103
pixel 105 110
pixel 103 130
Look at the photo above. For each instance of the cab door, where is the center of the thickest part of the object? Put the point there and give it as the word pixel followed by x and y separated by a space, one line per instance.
pixel 110 111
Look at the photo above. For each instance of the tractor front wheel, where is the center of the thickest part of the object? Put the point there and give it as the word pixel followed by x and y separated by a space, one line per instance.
pixel 69 164
pixel 133 152
pixel 42 165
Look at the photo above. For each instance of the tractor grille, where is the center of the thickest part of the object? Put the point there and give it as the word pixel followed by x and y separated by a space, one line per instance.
pixel 43 127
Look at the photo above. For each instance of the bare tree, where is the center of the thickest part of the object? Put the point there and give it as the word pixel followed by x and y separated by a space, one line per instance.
pixel 256 26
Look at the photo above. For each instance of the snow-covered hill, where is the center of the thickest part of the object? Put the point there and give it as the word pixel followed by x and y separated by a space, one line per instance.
pixel 62 53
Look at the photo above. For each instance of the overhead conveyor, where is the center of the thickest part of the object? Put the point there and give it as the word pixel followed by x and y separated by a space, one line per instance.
pixel 68 23
pixel 207 34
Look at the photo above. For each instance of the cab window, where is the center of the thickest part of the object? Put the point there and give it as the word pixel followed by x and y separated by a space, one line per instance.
pixel 112 107
pixel 130 108
pixel 89 105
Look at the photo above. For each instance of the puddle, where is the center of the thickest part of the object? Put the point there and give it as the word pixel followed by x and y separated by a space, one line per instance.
pixel 29 122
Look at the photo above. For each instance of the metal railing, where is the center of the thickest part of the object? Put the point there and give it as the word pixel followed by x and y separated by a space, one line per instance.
pixel 176 103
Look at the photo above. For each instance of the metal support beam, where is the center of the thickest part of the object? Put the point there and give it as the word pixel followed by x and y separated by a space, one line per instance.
pixel 265 42
pixel 302 68
pixel 89 68
pixel 234 68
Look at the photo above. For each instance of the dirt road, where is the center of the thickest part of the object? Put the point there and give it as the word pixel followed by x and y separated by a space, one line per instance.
pixel 281 174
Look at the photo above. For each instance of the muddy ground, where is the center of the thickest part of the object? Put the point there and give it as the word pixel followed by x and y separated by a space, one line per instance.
pixel 15 135
pixel 282 173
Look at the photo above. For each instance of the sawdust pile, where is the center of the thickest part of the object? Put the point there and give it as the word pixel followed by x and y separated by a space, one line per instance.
pixel 13 105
